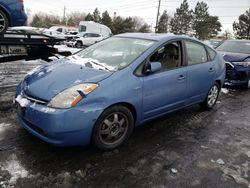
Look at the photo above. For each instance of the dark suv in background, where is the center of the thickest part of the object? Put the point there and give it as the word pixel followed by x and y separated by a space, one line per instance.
pixel 11 14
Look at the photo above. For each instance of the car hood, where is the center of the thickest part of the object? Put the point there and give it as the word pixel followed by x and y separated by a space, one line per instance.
pixel 44 82
pixel 234 57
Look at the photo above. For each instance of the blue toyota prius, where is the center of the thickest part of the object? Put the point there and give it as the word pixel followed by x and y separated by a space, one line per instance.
pixel 101 93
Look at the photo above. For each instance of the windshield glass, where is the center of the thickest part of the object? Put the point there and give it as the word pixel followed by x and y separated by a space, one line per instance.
pixel 114 53
pixel 235 47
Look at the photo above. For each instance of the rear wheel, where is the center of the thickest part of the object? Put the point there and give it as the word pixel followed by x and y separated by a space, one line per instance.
pixel 113 128
pixel 4 22
pixel 212 97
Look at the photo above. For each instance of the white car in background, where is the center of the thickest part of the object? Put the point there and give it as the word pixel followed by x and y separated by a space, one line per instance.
pixel 60 31
pixel 84 40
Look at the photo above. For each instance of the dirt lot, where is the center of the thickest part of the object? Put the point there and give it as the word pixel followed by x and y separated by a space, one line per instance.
pixel 189 148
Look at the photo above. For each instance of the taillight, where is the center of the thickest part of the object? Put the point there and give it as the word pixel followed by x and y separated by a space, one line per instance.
pixel 21 1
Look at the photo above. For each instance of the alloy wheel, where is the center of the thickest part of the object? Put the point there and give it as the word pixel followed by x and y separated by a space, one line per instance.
pixel 113 128
pixel 212 95
pixel 2 22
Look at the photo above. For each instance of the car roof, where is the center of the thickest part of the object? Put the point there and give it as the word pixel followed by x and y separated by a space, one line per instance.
pixel 238 40
pixel 153 36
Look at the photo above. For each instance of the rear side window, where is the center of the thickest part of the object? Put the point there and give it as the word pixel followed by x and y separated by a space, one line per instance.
pixel 211 53
pixel 96 35
pixel 196 53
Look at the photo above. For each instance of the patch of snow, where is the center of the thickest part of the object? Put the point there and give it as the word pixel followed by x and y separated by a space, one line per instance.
pixel 224 90
pixel 83 61
pixel 248 154
pixel 48 110
pixel 220 161
pixel 3 128
pixel 35 70
pixel 15 169
pixel 40 74
pixel 174 171
pixel 78 81
pixel 22 101
pixel 64 48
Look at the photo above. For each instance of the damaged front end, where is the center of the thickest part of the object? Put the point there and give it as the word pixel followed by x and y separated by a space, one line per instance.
pixel 237 74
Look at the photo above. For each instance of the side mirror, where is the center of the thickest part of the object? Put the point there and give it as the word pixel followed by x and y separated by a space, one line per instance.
pixel 155 67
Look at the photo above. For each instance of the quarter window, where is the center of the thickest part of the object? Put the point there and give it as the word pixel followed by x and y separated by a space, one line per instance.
pixel 196 53
pixel 211 53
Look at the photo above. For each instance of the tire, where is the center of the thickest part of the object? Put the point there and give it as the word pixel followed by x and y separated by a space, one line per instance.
pixel 4 22
pixel 211 97
pixel 79 44
pixel 113 128
pixel 246 85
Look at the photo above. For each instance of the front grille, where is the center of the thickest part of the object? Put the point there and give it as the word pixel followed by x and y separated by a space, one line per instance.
pixel 32 99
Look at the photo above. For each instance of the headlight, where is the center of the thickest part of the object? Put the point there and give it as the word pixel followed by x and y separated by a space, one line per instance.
pixel 70 97
pixel 244 63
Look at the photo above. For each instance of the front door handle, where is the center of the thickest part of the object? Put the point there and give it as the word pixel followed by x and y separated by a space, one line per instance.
pixel 181 77
pixel 211 69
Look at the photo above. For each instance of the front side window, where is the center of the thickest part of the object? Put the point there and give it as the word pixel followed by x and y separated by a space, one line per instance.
pixel 169 55
pixel 115 53
pixel 196 53
pixel 82 28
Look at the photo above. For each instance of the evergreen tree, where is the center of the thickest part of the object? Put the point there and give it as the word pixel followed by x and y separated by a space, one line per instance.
pixel 89 17
pixel 106 20
pixel 117 25
pixel 242 28
pixel 36 21
pixel 140 25
pixel 96 16
pixel 145 28
pixel 204 25
pixel 163 23
pixel 181 22
pixel 128 25
pixel 121 25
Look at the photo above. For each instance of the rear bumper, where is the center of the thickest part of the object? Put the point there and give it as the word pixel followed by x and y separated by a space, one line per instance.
pixel 60 127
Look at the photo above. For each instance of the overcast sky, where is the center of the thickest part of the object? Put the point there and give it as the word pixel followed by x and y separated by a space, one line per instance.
pixel 227 10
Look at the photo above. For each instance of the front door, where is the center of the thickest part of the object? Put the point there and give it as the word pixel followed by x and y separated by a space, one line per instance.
pixel 165 90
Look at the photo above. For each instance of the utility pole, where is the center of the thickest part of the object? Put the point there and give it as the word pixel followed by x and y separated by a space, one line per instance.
pixel 64 14
pixel 157 17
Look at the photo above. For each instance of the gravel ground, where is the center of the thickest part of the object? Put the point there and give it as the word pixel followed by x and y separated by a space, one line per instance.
pixel 188 148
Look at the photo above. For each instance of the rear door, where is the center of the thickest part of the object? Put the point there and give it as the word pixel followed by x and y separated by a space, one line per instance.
pixel 200 71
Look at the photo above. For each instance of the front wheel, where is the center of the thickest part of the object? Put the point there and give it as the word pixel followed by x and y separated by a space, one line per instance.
pixel 4 23
pixel 247 84
pixel 113 128
pixel 79 44
pixel 212 97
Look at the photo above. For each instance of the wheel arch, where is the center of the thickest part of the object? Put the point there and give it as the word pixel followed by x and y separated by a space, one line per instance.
pixel 127 105
pixel 219 83
pixel 6 14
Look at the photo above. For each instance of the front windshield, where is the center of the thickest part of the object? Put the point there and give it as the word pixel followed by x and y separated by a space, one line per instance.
pixel 235 47
pixel 115 53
